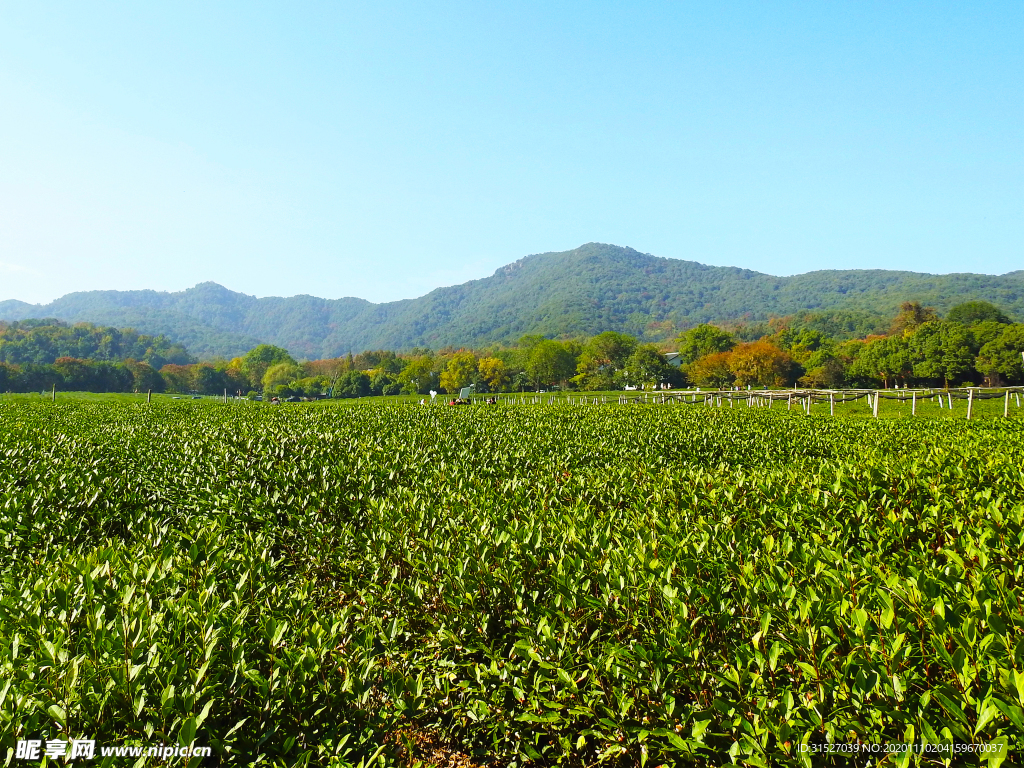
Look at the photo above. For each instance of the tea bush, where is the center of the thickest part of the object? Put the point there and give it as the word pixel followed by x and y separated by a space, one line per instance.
pixel 575 585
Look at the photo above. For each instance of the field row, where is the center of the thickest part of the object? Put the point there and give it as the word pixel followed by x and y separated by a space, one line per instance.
pixel 990 405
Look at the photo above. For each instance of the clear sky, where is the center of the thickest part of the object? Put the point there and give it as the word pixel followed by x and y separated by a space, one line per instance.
pixel 383 149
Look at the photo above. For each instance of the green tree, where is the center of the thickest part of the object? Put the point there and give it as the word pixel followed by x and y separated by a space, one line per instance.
pixel 971 312
pixel 830 375
pixel 235 378
pixel 801 343
pixel 418 376
pixel 601 357
pixel 703 340
pixel 8 377
pixel 645 367
pixel 76 375
pixel 281 374
pixel 384 383
pixel 352 384
pixel 177 378
pixel 550 363
pixel 207 380
pixel 530 340
pixel 258 359
pixel 144 377
pixel 888 359
pixel 942 351
pixel 824 369
pixel 985 331
pixel 1000 359
pixel 310 386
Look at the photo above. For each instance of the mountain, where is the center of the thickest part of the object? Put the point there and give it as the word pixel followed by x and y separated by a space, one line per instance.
pixel 584 291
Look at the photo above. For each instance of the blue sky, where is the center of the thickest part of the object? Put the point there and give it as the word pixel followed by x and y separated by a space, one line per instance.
pixel 383 149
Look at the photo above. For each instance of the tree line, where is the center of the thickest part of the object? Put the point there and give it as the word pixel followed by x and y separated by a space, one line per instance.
pixel 975 344
pixel 607 361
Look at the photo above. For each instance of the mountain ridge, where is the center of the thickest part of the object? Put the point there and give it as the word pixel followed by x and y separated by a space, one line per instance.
pixel 589 289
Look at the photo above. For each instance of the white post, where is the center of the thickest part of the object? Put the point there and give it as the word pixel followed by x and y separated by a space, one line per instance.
pixel 875 406
pixel 970 402
pixel 831 403
pixel 1006 408
pixel 913 403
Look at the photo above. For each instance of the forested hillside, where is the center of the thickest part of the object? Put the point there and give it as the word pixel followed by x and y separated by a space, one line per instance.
pixel 589 290
pixel 46 341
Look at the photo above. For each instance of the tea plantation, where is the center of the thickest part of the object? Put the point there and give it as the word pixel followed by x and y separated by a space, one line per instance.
pixel 557 585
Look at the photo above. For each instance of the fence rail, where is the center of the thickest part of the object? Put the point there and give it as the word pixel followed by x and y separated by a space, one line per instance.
pixel 801 398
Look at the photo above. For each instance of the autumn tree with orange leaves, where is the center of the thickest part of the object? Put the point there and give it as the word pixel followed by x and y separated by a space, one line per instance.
pixel 761 364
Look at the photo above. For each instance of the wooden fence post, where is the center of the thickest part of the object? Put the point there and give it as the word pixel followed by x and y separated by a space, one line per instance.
pixel 149 396
pixel 1006 408
pixel 54 393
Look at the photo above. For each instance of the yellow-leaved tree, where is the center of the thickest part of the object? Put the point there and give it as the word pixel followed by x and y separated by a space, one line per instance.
pixel 458 371
pixel 494 372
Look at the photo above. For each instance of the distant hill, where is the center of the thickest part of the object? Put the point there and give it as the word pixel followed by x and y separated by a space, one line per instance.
pixel 587 290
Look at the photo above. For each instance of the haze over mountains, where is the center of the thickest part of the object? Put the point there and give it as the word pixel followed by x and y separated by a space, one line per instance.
pixel 585 291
